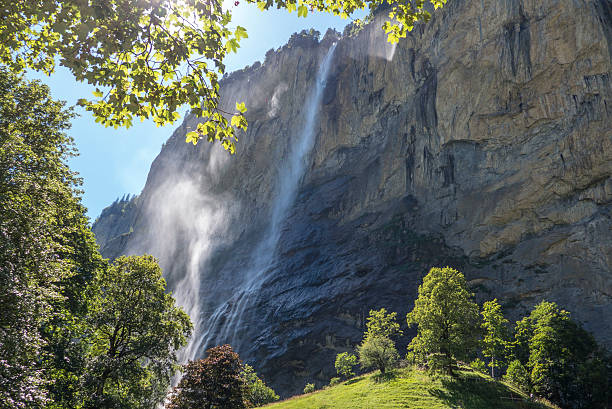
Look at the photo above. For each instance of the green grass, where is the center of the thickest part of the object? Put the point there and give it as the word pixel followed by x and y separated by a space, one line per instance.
pixel 411 388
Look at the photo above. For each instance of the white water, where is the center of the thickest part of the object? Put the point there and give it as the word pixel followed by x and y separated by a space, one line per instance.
pixel 290 174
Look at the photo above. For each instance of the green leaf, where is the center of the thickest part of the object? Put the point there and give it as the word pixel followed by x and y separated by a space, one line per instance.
pixel 192 137
pixel 241 107
pixel 240 33
pixel 302 11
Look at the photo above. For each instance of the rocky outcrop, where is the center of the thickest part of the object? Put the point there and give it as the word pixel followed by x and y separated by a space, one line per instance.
pixel 482 141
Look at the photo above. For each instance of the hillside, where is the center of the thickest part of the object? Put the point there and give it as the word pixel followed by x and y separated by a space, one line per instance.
pixel 416 390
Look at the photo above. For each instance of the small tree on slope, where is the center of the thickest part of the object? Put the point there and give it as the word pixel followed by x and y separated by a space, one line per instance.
pixel 495 334
pixel 446 317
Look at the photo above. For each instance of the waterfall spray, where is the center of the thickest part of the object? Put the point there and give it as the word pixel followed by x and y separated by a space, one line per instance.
pixel 290 175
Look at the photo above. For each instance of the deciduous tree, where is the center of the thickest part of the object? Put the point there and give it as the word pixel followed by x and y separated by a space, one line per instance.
pixel 137 330
pixel 446 317
pixel 215 382
pixel 257 393
pixel 377 352
pixel 47 253
pixel 564 362
pixel 381 323
pixel 344 364
pixel 495 335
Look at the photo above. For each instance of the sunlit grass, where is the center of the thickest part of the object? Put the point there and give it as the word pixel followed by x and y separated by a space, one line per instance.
pixel 411 388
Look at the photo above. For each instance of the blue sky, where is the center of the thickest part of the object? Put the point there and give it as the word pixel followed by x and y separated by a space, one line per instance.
pixel 115 162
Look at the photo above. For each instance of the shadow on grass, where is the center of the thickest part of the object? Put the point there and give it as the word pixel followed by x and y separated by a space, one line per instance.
pixel 474 392
pixel 385 377
pixel 354 380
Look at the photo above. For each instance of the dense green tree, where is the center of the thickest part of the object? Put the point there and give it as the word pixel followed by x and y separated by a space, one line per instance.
pixel 565 364
pixel 378 349
pixel 447 319
pixel 137 329
pixel 215 382
pixel 377 352
pixel 147 58
pixel 495 336
pixel 344 364
pixel 47 253
pixel 380 323
pixel 518 374
pixel 257 393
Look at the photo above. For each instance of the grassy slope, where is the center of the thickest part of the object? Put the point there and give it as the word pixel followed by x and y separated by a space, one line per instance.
pixel 414 389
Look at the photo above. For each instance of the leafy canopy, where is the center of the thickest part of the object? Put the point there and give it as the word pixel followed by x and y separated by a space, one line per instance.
pixel 215 382
pixel 495 335
pixel 446 317
pixel 257 393
pixel 562 360
pixel 147 58
pixel 382 324
pixel 47 253
pixel 137 331
pixel 344 364
pixel 377 352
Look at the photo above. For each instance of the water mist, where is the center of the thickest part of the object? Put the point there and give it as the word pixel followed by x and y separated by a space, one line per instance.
pixel 228 316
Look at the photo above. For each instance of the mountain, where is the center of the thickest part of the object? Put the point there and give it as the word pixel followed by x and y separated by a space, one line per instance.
pixel 483 141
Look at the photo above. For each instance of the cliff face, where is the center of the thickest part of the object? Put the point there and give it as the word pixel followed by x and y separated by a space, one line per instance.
pixel 483 141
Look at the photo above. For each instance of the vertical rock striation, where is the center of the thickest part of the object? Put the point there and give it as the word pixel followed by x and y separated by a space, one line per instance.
pixel 482 141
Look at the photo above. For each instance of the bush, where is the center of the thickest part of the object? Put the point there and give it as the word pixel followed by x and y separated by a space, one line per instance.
pixel 257 393
pixel 213 382
pixel 345 363
pixel 309 388
pixel 334 381
pixel 437 362
pixel 377 352
pixel 518 375
pixel 478 365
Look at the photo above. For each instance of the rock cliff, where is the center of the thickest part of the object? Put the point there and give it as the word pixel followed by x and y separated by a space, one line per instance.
pixel 482 141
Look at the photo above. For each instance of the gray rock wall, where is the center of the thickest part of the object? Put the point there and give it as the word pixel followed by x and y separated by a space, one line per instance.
pixel 482 141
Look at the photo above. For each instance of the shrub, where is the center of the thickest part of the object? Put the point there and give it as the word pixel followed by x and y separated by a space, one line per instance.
pixel 518 375
pixel 257 393
pixel 377 352
pixel 478 365
pixel 345 363
pixel 334 381
pixel 309 388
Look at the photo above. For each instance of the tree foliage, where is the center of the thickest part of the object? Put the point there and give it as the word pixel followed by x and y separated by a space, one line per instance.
pixel 137 329
pixel 518 374
pixel 309 388
pixel 380 323
pixel 147 58
pixel 215 382
pixel 377 352
pixel 446 316
pixel 344 364
pixel 257 393
pixel 47 253
pixel 563 361
pixel 495 336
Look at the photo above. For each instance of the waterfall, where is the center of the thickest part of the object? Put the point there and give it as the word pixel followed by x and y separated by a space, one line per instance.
pixel 290 174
